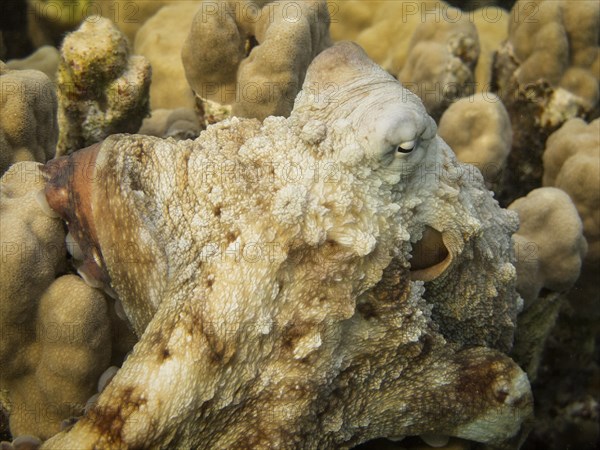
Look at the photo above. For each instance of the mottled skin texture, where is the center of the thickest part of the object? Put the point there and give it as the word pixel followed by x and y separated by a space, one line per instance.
pixel 267 269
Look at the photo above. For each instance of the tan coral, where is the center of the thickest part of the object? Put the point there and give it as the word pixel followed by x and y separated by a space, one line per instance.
pixel 543 261
pixel 492 28
pixel 55 339
pixel 45 59
pixel 130 16
pixel 49 20
pixel 557 41
pixel 160 41
pixel 388 38
pixel 253 55
pixel 180 123
pixel 267 268
pixel 546 73
pixel 478 130
pixel 350 17
pixel 441 60
pixel 102 89
pixel 28 125
pixel 550 248
pixel 429 46
pixel 572 163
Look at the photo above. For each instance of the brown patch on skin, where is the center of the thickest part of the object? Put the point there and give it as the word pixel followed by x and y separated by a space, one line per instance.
pixel 485 377
pixel 258 439
pixel 217 211
pixel 109 421
pixel 292 333
pixel 165 353
pixel 69 184
pixel 194 322
pixel 156 338
pixel 217 349
pixel 231 236
pixel 519 402
pixel 478 377
pixel 221 350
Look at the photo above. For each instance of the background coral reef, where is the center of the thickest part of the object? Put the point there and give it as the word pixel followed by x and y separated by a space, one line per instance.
pixel 513 86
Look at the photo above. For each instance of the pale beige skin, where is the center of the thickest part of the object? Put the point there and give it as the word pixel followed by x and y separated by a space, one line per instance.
pixel 281 308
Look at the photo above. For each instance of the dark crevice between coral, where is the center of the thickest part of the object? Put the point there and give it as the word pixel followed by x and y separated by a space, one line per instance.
pixel 251 42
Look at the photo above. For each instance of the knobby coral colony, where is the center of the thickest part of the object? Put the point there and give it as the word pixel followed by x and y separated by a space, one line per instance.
pixel 317 268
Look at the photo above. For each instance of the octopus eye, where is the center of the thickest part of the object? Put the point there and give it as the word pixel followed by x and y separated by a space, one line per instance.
pixel 406 147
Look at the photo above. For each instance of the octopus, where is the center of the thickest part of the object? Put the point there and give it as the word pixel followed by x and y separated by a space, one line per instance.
pixel 314 281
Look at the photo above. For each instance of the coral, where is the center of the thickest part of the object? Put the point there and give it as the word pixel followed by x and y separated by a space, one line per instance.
pixel 45 59
pixel 101 89
pixel 48 20
pixel 28 125
pixel 385 30
pixel 253 55
pixel 478 130
pixel 181 123
pixel 299 282
pixel 440 62
pixel 431 47
pixel 548 48
pixel 350 17
pixel 572 163
pixel 388 37
pixel 543 262
pixel 160 41
pixel 492 29
pixel 546 266
pixel 55 339
pixel 546 73
pixel 131 16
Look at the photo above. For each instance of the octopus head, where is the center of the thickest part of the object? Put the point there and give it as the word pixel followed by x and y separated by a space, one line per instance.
pixel 390 122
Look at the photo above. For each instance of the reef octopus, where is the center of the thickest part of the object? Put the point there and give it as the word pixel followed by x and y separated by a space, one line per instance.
pixel 313 281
